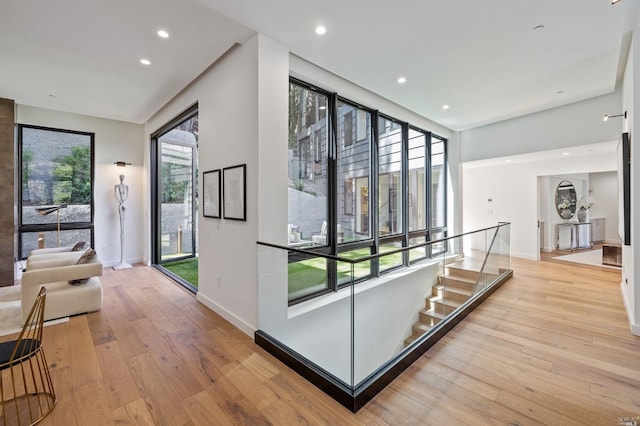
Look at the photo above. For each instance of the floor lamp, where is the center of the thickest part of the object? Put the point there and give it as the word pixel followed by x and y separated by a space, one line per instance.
pixel 50 209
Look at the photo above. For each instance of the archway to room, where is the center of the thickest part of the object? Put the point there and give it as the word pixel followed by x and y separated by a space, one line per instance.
pixel 174 198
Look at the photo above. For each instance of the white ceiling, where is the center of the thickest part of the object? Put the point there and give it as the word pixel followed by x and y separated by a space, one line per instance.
pixel 482 58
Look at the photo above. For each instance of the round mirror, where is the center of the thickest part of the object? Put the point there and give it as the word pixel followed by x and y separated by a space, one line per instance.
pixel 566 199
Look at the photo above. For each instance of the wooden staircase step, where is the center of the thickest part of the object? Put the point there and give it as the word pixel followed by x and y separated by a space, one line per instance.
pixel 430 317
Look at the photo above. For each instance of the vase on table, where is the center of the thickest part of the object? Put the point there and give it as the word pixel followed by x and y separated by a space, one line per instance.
pixel 582 215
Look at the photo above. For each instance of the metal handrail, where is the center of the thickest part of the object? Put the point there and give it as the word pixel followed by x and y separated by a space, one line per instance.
pixel 378 255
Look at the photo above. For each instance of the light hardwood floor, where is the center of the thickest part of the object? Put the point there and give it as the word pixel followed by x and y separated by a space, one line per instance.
pixel 552 346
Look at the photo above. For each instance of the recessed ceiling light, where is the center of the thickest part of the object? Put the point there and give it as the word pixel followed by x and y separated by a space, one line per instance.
pixel 615 1
pixel 560 92
pixel 445 106
pixel 145 61
pixel 402 80
pixel 565 153
pixel 163 34
pixel 508 161
pixel 52 95
pixel 320 30
pixel 538 27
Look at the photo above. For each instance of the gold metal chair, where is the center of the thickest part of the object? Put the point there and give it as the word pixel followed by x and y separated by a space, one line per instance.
pixel 25 382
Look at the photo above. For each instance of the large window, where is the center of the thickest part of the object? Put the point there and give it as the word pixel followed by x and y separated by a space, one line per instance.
pixel 56 188
pixel 359 183
pixel 390 169
pixel 308 188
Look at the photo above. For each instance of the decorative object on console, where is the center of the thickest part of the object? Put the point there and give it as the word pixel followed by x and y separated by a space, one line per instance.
pixel 583 205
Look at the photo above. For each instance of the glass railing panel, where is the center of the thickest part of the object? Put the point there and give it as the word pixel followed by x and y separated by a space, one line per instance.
pixel 390 261
pixel 353 329
pixel 318 329
pixel 388 309
pixel 420 252
pixel 441 247
pixel 360 270
pixel 306 276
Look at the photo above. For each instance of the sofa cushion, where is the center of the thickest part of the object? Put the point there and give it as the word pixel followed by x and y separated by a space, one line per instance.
pixel 88 256
pixel 79 246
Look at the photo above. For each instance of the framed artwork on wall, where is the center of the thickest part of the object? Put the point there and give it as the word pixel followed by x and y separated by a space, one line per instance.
pixel 234 192
pixel 211 193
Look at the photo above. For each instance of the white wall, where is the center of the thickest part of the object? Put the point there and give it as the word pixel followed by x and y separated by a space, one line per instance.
pixel 242 107
pixel 575 124
pixel 603 189
pixel 114 141
pixel 513 189
pixel 631 97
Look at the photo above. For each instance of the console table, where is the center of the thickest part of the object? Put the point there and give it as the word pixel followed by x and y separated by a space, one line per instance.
pixel 576 230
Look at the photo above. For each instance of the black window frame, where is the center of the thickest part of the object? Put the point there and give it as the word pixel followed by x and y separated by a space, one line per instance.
pixel 64 226
pixel 333 247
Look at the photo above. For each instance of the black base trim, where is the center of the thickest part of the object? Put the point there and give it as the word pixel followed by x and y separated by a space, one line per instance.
pixel 355 399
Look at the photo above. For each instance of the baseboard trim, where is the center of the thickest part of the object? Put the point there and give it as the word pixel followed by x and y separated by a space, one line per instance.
pixel 633 327
pixel 245 327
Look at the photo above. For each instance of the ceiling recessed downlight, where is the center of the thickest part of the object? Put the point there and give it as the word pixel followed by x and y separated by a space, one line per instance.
pixel 163 34
pixel 321 30
pixel 565 153
pixel 538 27
pixel 402 80
pixel 144 61
pixel 445 106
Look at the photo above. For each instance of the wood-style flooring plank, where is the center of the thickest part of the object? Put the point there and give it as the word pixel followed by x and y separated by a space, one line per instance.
pixel 552 346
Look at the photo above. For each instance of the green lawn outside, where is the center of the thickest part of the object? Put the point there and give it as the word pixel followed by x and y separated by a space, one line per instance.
pixel 308 276
pixel 187 269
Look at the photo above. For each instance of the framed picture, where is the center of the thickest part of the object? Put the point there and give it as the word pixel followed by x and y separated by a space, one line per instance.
pixel 211 197
pixel 234 192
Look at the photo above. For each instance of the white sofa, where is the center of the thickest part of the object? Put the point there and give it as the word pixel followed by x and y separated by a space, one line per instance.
pixel 54 270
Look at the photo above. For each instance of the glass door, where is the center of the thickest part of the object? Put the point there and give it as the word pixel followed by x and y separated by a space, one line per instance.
pixel 175 243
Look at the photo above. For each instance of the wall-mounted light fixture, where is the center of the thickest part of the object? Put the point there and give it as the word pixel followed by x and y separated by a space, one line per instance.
pixel 121 163
pixel 607 117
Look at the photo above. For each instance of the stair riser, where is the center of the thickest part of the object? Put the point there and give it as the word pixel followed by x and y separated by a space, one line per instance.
pixel 427 319
pixel 449 282
pixel 416 330
pixel 450 295
pixel 441 308
pixel 462 273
